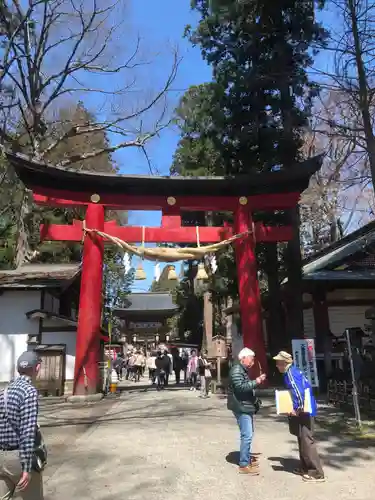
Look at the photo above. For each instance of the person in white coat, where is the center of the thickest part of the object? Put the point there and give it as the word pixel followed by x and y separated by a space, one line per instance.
pixel 151 366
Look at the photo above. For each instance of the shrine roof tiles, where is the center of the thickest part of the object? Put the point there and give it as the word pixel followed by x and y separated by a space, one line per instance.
pixel 147 302
pixel 342 275
pixel 342 251
pixel 39 275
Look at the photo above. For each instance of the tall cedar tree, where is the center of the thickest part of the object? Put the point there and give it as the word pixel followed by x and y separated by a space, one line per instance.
pixel 261 95
pixel 259 52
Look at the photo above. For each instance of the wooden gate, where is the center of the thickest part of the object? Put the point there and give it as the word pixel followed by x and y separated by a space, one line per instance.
pixel 51 377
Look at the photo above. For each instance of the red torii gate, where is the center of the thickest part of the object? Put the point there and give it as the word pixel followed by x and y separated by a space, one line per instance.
pixel 242 195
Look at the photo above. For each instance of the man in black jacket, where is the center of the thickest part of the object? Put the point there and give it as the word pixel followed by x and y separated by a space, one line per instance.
pixel 118 365
pixel 178 365
pixel 243 402
pixel 162 364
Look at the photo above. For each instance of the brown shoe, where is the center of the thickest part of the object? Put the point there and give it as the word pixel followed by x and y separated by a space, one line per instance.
pixel 251 469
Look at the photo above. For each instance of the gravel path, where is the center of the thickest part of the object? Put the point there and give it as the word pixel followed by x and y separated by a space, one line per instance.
pixel 173 445
pixel 63 423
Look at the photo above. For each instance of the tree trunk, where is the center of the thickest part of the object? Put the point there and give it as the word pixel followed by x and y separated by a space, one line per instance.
pixel 364 102
pixel 323 340
pixel 208 314
pixel 294 287
pixel 275 323
pixel 294 258
pixel 23 250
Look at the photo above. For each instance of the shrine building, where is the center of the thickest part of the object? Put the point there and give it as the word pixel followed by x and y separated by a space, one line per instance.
pixel 145 318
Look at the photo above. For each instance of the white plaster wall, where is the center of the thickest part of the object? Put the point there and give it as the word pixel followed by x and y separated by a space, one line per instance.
pixel 342 317
pixel 69 339
pixel 15 327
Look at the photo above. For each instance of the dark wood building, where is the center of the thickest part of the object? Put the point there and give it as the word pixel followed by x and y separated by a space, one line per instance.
pixel 145 317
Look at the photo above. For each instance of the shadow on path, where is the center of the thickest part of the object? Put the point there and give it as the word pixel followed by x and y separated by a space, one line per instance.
pixel 285 464
pixel 337 447
pixel 147 387
pixel 338 451
pixel 96 471
pixel 234 457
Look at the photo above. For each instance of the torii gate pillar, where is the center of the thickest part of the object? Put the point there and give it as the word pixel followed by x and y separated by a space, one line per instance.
pixel 248 287
pixel 86 369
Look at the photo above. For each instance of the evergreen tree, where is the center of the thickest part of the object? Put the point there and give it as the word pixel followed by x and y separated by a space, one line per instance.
pixel 198 151
pixel 164 284
pixel 116 286
pixel 259 52
pixel 10 198
pixel 261 98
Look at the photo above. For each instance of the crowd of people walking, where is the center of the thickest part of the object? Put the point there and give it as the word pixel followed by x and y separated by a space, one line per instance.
pixel 191 368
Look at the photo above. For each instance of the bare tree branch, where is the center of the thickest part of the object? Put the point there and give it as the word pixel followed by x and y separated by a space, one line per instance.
pixel 58 49
pixel 351 84
pixel 139 142
pixel 54 49
pixel 74 130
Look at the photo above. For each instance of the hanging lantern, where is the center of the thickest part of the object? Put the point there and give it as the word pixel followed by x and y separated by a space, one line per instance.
pixel 201 274
pixel 140 273
pixel 134 339
pixel 172 275
pixel 157 338
pixel 167 338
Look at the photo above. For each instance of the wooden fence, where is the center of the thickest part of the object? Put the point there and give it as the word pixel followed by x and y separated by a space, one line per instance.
pixel 340 395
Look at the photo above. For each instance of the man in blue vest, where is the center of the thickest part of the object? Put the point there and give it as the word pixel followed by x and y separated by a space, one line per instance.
pixel 300 422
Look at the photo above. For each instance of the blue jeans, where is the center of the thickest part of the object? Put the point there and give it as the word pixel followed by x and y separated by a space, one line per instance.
pixel 245 423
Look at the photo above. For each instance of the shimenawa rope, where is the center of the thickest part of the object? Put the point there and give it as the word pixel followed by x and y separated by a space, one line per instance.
pixel 166 254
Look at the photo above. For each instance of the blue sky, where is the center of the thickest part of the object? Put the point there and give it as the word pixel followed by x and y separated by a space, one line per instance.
pixel 161 25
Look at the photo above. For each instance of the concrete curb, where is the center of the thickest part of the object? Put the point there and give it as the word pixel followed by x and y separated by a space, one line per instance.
pixel 86 398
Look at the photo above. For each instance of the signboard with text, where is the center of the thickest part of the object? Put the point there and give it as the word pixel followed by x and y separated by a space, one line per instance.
pixel 305 359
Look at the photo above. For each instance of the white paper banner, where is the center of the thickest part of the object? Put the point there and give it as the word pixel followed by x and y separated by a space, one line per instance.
pixel 305 360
